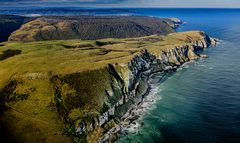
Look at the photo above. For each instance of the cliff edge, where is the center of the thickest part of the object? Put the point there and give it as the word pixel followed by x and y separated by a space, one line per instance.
pixel 81 89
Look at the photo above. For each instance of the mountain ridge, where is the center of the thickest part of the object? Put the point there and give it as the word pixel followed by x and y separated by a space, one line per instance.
pixel 92 27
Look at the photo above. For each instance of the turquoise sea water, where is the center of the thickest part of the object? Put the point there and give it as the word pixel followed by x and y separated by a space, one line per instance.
pixel 200 103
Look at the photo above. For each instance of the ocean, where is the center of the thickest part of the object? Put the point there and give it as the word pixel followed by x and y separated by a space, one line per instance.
pixel 200 103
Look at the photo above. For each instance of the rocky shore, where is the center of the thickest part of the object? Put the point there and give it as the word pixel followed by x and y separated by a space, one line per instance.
pixel 129 121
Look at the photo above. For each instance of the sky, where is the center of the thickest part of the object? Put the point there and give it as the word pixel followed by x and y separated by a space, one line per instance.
pixel 127 3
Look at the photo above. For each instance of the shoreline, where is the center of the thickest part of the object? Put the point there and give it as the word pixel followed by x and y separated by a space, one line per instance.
pixel 129 122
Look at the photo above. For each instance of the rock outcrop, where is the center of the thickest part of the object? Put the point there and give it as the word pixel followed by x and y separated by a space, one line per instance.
pixel 176 22
pixel 92 27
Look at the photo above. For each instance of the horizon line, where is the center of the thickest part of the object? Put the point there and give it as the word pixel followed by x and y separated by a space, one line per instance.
pixel 98 7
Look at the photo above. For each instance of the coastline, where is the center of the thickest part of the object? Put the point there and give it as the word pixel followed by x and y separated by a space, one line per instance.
pixel 197 103
pixel 130 121
pixel 127 93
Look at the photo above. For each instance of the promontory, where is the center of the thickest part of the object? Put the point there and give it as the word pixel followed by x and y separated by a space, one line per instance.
pixel 58 88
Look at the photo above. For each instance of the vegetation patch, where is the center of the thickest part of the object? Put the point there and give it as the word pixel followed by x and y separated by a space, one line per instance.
pixel 5 93
pixel 14 91
pixel 103 43
pixel 152 39
pixel 82 90
pixel 78 46
pixel 9 53
pixel 103 52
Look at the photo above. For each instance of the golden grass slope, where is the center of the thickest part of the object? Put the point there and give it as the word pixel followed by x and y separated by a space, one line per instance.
pixel 69 56
pixel 35 119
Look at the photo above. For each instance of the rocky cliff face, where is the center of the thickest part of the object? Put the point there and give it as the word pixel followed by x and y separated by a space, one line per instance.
pixel 127 87
pixel 92 27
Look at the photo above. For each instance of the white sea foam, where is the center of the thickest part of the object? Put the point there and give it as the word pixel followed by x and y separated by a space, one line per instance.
pixel 179 69
pixel 142 109
pixel 133 128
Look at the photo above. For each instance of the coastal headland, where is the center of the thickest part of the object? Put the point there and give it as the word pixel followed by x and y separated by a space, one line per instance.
pixel 58 88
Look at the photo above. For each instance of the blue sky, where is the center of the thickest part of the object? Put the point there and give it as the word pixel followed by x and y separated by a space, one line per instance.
pixel 127 3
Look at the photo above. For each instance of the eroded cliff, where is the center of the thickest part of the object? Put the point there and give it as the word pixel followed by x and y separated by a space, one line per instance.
pixel 85 88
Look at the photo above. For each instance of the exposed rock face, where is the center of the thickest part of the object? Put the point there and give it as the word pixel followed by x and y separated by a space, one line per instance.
pixel 146 64
pixel 130 85
pixel 176 22
pixel 90 27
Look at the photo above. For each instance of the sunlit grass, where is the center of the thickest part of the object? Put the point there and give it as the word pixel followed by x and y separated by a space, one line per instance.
pixel 80 64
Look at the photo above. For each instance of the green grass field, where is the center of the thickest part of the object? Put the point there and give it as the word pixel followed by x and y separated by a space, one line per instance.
pixel 32 113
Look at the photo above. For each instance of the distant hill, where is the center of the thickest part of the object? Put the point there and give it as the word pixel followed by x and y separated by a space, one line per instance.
pixel 92 27
pixel 10 23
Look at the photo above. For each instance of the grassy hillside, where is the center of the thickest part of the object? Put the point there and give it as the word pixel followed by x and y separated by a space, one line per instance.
pixel 46 84
pixel 70 56
pixel 92 27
